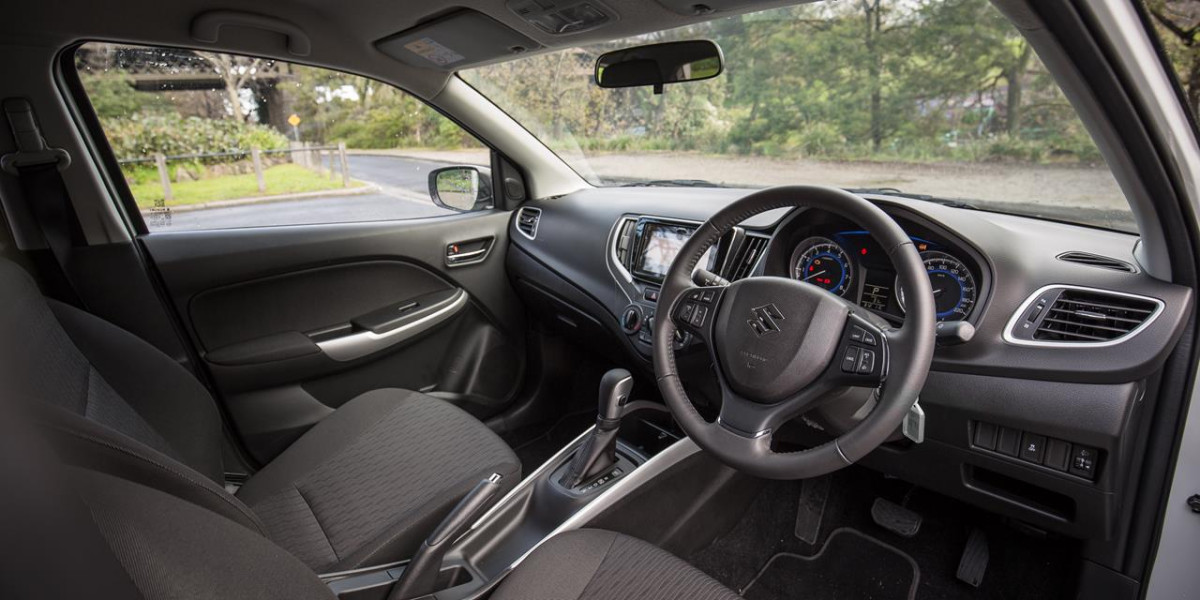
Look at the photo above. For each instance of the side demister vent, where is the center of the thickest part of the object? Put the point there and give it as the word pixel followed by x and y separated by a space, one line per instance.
pixel 1095 260
pixel 527 221
pixel 751 252
pixel 1081 316
pixel 625 243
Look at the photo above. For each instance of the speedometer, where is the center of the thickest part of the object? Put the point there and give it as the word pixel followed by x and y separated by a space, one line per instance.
pixel 823 263
pixel 954 290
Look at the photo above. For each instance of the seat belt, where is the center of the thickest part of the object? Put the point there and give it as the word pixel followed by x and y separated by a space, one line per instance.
pixel 37 168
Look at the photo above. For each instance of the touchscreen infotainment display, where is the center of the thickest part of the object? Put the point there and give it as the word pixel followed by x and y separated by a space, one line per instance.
pixel 659 243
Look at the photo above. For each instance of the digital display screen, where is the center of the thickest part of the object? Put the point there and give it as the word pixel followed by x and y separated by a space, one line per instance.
pixel 659 244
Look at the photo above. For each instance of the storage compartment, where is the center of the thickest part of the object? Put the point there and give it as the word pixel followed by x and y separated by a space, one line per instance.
pixel 1014 490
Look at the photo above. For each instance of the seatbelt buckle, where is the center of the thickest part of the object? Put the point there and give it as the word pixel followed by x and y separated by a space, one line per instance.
pixel 31 146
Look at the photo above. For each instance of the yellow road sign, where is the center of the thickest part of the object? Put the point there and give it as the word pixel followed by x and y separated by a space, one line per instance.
pixel 294 120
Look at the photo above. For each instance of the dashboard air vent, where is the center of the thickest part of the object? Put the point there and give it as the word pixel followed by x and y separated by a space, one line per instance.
pixel 752 251
pixel 625 242
pixel 527 221
pixel 1095 260
pixel 1091 316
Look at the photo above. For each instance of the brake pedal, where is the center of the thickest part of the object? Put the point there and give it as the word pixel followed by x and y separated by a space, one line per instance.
pixel 813 495
pixel 974 561
pixel 895 518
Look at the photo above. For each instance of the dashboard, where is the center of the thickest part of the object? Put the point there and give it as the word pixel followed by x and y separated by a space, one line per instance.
pixel 1035 416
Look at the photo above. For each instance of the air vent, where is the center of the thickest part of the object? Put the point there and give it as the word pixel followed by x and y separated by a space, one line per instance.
pixel 1071 315
pixel 751 253
pixel 624 243
pixel 527 221
pixel 1095 260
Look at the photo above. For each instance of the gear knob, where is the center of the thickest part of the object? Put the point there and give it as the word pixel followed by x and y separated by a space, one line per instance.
pixel 615 388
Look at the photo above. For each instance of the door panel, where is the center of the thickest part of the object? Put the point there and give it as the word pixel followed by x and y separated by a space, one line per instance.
pixel 293 322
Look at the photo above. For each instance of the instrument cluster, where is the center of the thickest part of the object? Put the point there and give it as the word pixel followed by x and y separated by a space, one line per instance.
pixel 850 263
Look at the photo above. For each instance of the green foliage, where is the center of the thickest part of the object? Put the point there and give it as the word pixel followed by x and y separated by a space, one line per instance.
pixel 280 179
pixel 171 134
pixel 113 97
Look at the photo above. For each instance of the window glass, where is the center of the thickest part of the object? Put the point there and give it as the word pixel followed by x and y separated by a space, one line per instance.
pixel 208 140
pixel 940 98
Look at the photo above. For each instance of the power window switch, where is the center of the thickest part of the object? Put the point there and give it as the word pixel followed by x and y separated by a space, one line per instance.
pixel 1033 448
pixel 1058 454
pixel 1008 442
pixel 985 435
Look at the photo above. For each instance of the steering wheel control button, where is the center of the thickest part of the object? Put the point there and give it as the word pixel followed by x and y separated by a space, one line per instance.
pixel 707 296
pixel 1033 448
pixel 698 317
pixel 686 311
pixel 850 360
pixel 866 361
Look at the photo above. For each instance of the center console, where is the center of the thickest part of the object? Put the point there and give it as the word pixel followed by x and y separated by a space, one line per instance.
pixel 546 502
pixel 642 251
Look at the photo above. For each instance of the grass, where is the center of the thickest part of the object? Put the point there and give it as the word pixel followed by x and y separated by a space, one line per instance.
pixel 280 179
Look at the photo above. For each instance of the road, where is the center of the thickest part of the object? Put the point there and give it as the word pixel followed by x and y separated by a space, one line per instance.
pixel 404 194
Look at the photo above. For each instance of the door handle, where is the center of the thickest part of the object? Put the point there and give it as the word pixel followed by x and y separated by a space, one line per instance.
pixel 470 252
pixel 417 321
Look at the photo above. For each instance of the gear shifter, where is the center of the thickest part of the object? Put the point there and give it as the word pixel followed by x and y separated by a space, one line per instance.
pixel 599 452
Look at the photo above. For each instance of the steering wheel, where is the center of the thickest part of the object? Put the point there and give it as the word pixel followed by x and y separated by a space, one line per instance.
pixel 779 345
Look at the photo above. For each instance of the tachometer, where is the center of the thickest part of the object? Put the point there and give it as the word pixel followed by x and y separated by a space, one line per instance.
pixel 954 290
pixel 823 263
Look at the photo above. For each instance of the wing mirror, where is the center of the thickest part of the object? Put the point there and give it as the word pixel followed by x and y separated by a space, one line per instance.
pixel 461 188
pixel 659 64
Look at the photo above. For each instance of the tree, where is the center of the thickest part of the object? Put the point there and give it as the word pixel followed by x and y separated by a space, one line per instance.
pixel 236 72
pixel 1178 24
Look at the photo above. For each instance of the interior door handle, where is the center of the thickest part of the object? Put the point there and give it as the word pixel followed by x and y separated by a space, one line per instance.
pixel 469 252
pixel 362 343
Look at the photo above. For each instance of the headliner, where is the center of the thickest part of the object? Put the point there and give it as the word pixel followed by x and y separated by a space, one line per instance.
pixel 343 33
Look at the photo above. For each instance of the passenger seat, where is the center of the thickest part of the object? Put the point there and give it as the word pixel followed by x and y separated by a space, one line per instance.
pixel 364 486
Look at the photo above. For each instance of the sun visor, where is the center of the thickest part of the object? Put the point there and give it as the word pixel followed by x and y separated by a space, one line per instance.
pixel 455 41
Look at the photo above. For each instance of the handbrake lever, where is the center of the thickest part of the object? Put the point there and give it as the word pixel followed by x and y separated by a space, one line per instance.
pixel 420 576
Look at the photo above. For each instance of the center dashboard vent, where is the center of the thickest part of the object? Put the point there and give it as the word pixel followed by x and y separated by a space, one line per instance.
pixel 527 221
pixel 1071 315
pixel 751 252
pixel 1095 260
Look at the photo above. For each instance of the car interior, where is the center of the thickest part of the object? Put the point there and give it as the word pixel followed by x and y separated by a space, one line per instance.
pixel 555 381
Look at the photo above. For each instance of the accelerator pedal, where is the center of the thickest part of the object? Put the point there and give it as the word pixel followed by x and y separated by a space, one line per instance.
pixel 974 561
pixel 895 518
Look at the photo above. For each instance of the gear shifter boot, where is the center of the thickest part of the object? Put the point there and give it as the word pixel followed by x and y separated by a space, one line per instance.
pixel 599 451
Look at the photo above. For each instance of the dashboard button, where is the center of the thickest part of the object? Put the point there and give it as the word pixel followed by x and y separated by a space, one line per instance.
pixel 1009 441
pixel 985 436
pixel 1058 454
pixel 1033 447
pixel 1083 461
pixel 651 295
pixel 850 360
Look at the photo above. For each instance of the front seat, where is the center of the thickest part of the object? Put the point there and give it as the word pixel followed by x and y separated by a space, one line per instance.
pixel 363 486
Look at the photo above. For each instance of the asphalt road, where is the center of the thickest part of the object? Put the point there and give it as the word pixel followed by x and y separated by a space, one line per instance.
pixel 404 194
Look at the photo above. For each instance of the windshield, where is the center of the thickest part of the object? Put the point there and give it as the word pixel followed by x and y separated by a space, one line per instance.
pixel 924 97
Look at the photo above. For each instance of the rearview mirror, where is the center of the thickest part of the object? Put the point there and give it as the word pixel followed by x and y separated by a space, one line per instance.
pixel 461 188
pixel 659 64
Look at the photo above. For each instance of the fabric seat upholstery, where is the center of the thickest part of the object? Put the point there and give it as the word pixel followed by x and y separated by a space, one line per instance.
pixel 593 564
pixel 364 485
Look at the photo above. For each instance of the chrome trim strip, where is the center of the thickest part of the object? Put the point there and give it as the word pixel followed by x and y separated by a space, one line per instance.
pixel 358 345
pixel 614 237
pixel 1016 317
pixel 535 224
pixel 621 488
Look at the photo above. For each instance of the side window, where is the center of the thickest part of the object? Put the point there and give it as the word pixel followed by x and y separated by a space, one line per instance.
pixel 211 141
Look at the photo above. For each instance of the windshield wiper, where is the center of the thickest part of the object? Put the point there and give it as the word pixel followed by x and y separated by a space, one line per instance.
pixel 886 191
pixel 672 183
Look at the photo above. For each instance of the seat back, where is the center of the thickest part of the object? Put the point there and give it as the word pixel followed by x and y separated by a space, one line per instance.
pixel 66 358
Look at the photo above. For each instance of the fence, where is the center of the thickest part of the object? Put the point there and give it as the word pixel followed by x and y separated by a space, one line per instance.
pixel 300 153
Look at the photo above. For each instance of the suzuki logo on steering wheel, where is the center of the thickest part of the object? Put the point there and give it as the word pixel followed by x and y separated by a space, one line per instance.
pixel 764 320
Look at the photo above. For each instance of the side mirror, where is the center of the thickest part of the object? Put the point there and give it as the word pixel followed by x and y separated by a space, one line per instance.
pixel 659 64
pixel 462 188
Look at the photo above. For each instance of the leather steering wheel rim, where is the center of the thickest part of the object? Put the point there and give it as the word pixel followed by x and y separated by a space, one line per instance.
pixel 906 353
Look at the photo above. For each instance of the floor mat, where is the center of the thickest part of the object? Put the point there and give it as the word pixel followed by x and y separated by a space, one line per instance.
pixel 850 565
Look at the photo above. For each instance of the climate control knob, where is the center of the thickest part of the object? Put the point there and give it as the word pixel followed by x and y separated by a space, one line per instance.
pixel 631 319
